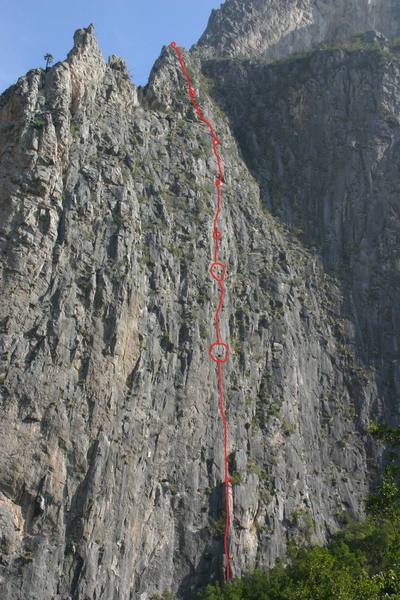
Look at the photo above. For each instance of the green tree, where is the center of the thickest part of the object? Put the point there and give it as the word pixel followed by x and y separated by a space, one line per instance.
pixel 49 60
pixel 362 562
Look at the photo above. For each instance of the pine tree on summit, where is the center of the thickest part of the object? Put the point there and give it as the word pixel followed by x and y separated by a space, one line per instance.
pixel 49 60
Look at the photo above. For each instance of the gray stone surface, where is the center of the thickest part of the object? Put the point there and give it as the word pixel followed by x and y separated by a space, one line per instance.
pixel 321 136
pixel 109 413
pixel 277 28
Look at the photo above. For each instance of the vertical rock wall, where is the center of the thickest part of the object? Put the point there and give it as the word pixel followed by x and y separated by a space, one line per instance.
pixel 111 442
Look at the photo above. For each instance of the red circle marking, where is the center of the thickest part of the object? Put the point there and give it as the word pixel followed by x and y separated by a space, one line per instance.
pixel 214 274
pixel 216 234
pixel 218 359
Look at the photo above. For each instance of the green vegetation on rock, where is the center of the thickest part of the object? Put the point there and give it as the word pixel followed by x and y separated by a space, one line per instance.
pixel 362 562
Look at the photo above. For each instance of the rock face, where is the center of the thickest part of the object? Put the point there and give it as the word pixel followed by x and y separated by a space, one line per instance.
pixel 321 136
pixel 111 443
pixel 278 28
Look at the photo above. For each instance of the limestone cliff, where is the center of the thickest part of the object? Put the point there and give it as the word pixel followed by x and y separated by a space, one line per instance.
pixel 277 28
pixel 111 442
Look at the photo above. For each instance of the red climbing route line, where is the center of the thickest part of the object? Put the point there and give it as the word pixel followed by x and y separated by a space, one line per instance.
pixel 218 351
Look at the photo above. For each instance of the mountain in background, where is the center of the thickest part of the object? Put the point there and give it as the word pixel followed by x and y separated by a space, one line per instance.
pixel 277 28
pixel 111 461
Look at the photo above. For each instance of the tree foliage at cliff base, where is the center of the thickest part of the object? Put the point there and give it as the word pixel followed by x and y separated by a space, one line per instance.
pixel 361 563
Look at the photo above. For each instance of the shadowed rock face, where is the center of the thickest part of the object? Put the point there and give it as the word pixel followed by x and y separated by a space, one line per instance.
pixel 278 28
pixel 111 443
pixel 321 136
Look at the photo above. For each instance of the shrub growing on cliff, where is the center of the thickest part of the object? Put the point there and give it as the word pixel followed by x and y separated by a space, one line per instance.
pixel 167 595
pixel 38 123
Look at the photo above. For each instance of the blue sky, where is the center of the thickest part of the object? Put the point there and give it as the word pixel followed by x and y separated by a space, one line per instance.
pixel 133 29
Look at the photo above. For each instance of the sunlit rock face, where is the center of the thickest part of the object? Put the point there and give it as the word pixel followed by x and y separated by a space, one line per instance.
pixel 278 28
pixel 111 444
